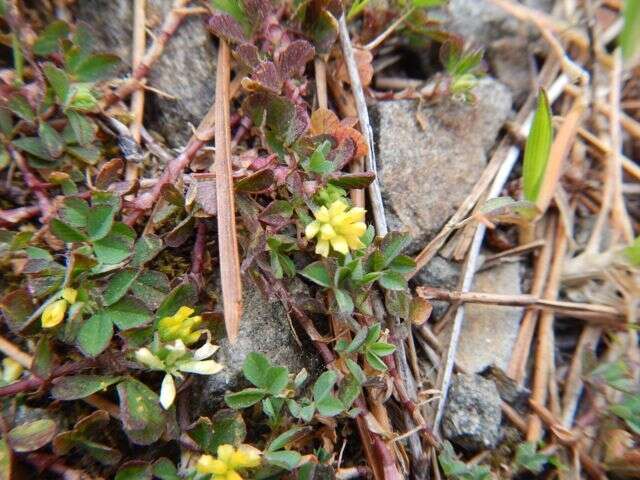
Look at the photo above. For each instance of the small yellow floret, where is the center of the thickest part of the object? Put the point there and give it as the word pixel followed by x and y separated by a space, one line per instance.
pixel 229 460
pixel 338 227
pixel 11 370
pixel 70 295
pixel 53 313
pixel 180 326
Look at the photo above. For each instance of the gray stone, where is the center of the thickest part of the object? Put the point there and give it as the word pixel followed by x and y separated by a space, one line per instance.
pixel 509 59
pixel 440 273
pixel 509 390
pixel 472 416
pixel 489 332
pixel 186 70
pixel 264 328
pixel 425 175
pixel 111 23
pixel 481 22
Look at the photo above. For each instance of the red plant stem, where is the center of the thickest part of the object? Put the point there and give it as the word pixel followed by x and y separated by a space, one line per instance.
pixel 169 27
pixel 46 209
pixel 170 174
pixel 310 329
pixel 12 217
pixel 174 169
pixel 390 471
pixel 197 257
pixel 33 382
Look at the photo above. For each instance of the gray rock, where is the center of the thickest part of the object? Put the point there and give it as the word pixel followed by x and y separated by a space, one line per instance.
pixel 509 390
pixel 264 328
pixel 425 175
pixel 472 416
pixel 186 70
pixel 111 23
pixel 509 60
pixel 440 273
pixel 481 22
pixel 489 332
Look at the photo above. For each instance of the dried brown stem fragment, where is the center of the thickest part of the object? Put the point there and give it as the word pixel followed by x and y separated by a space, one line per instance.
pixel 227 241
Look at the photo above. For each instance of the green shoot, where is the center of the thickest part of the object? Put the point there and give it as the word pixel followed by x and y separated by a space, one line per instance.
pixel 536 152
pixel 630 36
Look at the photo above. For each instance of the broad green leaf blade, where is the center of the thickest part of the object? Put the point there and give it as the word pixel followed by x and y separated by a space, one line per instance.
pixel 244 398
pixel 536 152
pixel 83 128
pixel 58 79
pixel 143 419
pixel 183 295
pixel 324 385
pixel 31 436
pixel 96 67
pixel 317 273
pixel 66 233
pixel 255 369
pixel 329 406
pixel 51 139
pixel 276 379
pixel 286 459
pixel 128 312
pixel 95 334
pixel 147 247
pixel 80 386
pixel 119 285
pixel 99 221
pixel 48 41
pixel 281 440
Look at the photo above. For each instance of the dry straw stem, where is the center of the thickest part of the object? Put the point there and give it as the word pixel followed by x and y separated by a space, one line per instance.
pixel 545 331
pixel 375 196
pixel 568 439
pixel 574 385
pixel 137 98
pixel 518 363
pixel 10 350
pixel 612 201
pixel 586 311
pixel 227 241
pixel 543 20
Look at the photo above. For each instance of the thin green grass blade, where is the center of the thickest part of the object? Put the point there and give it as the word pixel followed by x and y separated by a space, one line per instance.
pixel 536 152
pixel 630 36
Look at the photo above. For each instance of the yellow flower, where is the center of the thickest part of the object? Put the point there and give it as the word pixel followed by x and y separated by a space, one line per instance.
pixel 11 370
pixel 338 227
pixel 53 313
pixel 180 326
pixel 228 462
pixel 70 295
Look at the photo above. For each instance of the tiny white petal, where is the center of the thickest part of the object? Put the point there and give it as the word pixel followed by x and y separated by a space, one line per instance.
pixel 178 346
pixel 205 367
pixel 167 392
pixel 144 356
pixel 205 351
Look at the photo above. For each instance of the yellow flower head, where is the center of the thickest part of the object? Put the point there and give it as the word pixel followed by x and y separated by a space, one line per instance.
pixel 70 294
pixel 53 313
pixel 11 370
pixel 180 327
pixel 338 227
pixel 228 462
